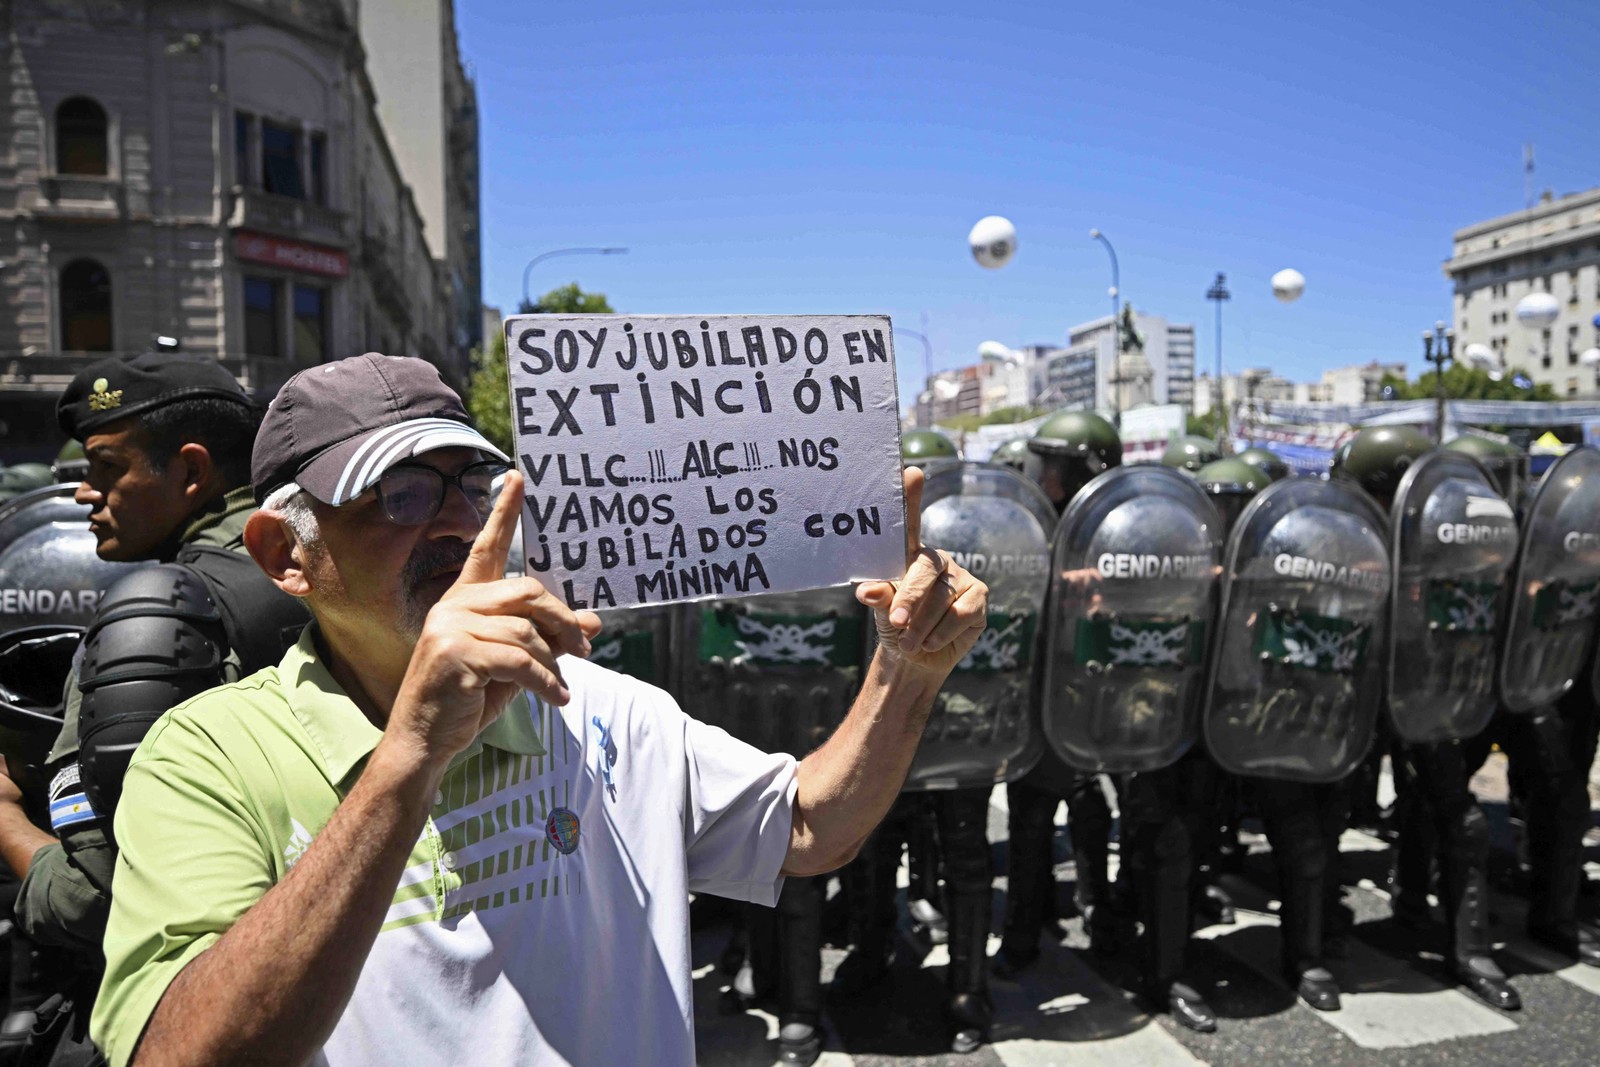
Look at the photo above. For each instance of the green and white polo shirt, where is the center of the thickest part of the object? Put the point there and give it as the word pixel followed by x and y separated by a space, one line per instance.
pixel 543 916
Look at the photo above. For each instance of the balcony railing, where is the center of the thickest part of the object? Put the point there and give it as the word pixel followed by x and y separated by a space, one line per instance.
pixel 79 196
pixel 287 217
pixel 41 371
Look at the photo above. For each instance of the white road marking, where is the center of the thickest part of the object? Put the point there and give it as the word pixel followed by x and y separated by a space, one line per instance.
pixel 1406 1020
pixel 1150 1046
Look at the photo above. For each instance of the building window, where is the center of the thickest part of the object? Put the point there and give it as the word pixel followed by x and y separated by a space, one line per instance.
pixel 310 324
pixel 244 138
pixel 81 144
pixel 280 160
pixel 317 170
pixel 261 317
pixel 1572 387
pixel 85 307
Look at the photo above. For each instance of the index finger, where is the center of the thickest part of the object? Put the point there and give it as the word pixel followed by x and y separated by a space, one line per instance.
pixel 492 547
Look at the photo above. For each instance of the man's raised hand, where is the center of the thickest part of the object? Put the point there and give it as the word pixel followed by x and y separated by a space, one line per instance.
pixel 488 637
pixel 932 616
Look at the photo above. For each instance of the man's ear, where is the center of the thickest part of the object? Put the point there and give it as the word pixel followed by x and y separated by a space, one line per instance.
pixel 278 552
pixel 198 471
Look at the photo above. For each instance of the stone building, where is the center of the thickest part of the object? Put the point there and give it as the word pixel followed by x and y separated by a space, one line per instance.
pixel 1552 247
pixel 214 172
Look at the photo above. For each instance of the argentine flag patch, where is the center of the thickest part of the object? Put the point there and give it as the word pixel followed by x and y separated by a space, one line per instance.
pixel 68 804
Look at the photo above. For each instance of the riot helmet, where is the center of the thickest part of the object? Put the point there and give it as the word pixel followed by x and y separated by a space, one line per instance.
pixel 1073 447
pixel 1268 461
pixel 71 464
pixel 920 447
pixel 1230 483
pixel 1378 457
pixel 23 478
pixel 1190 453
pixel 1507 464
pixel 1015 454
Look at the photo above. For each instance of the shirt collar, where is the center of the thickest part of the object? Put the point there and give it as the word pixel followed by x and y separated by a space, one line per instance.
pixel 344 737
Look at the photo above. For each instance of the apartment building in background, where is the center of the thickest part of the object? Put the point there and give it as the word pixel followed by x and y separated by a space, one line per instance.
pixel 219 173
pixel 1552 247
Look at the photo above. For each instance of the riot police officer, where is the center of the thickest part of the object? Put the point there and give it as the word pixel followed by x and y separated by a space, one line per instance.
pixel 1071 448
pixel 1506 463
pixel 168 443
pixel 955 853
pixel 1438 815
pixel 1296 686
pixel 1549 721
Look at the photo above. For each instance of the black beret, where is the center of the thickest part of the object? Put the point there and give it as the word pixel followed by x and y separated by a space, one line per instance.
pixel 115 388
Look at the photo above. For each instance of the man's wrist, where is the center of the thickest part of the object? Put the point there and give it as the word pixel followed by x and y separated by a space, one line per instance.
pixel 401 770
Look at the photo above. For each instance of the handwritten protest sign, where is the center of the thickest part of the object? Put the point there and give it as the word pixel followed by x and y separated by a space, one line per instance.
pixel 674 457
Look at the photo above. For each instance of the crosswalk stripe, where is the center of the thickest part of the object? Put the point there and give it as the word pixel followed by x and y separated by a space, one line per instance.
pixel 1150 1046
pixel 1540 958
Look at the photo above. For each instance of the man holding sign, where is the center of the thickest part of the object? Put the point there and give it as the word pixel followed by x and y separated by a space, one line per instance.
pixel 434 833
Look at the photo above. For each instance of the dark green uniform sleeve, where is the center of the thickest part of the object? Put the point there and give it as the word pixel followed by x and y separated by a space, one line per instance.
pixel 65 898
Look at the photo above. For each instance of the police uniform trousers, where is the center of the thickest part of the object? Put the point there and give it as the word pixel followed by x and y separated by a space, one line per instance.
pixel 1551 751
pixel 1166 820
pixel 960 821
pixel 1439 819
pixel 1303 823
pixel 785 946
pixel 1030 878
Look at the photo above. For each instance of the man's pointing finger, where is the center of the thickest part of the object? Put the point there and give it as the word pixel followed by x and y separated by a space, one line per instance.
pixel 492 547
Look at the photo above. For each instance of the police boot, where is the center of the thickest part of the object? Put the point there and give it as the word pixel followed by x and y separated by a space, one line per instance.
pixel 1030 876
pixel 969 1010
pixel 871 880
pixel 800 967
pixel 1213 906
pixel 1186 1006
pixel 1301 928
pixel 1465 884
pixel 1557 847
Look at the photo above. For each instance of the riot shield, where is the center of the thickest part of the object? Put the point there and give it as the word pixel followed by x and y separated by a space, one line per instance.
pixel 1131 605
pixel 996 524
pixel 1296 671
pixel 638 642
pixel 1453 539
pixel 51 582
pixel 1551 619
pixel 777 670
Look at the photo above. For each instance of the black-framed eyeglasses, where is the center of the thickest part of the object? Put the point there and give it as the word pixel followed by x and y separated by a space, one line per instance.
pixel 412 493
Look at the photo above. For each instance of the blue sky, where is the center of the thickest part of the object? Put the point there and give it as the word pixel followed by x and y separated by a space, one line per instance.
pixel 822 158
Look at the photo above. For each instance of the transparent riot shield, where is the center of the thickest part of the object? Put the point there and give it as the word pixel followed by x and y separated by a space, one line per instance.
pixel 1551 620
pixel 1131 605
pixel 51 582
pixel 1297 668
pixel 778 670
pixel 996 524
pixel 638 642
pixel 1453 541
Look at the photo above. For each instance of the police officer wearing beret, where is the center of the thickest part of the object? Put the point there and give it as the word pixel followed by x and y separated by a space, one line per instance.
pixel 167 443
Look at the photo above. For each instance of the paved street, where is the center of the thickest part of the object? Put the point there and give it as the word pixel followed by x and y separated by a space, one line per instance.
pixel 1400 1006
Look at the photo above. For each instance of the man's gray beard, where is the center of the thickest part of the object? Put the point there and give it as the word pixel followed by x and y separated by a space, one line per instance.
pixel 429 559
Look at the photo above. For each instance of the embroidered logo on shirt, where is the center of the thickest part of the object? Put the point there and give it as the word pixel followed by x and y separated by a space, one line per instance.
pixel 608 755
pixel 68 804
pixel 561 828
pixel 298 843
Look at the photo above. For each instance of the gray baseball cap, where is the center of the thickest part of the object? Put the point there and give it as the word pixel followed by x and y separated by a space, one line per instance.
pixel 335 428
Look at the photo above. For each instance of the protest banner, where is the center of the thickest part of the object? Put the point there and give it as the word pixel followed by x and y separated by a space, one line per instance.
pixel 676 457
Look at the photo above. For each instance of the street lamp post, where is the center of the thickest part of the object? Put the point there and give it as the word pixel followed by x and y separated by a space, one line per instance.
pixel 1116 309
pixel 1217 294
pixel 927 372
pixel 1439 348
pixel 527 304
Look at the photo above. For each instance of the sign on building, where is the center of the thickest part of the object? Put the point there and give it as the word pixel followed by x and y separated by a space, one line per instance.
pixel 674 457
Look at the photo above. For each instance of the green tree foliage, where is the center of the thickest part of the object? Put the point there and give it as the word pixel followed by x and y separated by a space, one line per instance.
pixel 489 389
pixel 1467 383
pixel 1207 425
pixel 568 300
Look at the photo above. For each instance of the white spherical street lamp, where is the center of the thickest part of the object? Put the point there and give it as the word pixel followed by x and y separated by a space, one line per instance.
pixel 1288 285
pixel 993 241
